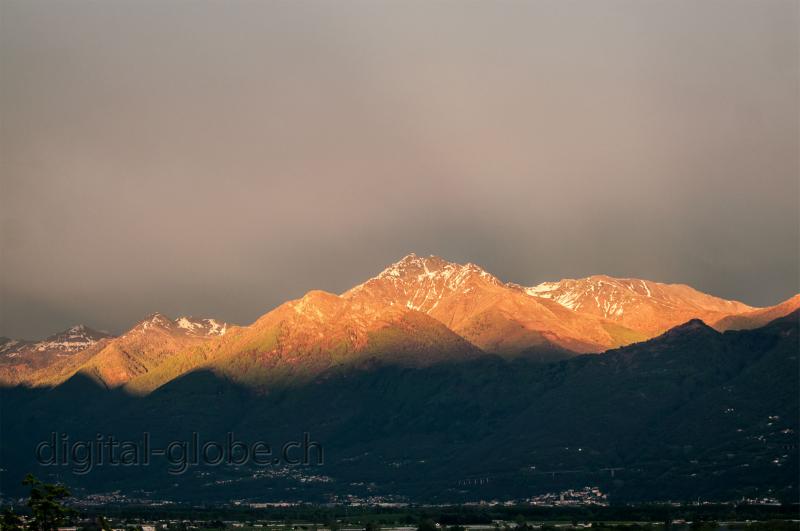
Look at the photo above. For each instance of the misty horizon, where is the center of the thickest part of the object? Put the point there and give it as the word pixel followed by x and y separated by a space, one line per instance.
pixel 196 159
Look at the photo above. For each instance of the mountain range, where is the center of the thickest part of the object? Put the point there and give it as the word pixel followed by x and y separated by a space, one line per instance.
pixel 431 382
pixel 417 311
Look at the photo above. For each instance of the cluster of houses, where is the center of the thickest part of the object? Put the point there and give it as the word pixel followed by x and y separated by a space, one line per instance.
pixel 572 497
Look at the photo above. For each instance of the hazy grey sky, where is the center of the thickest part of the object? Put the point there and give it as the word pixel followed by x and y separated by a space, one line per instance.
pixel 217 158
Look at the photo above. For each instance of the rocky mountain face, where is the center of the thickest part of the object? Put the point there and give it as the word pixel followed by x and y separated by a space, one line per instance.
pixel 417 312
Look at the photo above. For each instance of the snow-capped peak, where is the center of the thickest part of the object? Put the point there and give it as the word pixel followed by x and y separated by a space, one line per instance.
pixel 420 283
pixel 413 267
pixel 71 340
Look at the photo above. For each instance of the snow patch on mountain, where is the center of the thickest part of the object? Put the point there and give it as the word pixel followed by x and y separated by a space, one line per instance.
pixel 184 324
pixel 611 296
pixel 205 327
pixel 551 290
pixel 8 345
pixel 216 328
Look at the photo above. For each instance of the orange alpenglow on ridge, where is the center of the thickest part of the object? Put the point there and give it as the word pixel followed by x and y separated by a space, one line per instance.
pixel 416 312
pixel 643 305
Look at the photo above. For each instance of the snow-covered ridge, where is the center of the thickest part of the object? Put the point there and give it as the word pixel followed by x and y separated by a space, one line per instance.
pixel 185 324
pixel 610 296
pixel 71 340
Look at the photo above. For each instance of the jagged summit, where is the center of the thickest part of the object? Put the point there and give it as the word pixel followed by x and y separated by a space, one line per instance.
pixel 414 265
pixel 421 283
pixel 73 339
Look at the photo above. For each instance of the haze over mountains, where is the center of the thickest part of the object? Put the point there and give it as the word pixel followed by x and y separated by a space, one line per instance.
pixel 416 312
